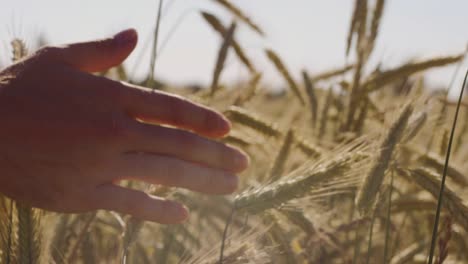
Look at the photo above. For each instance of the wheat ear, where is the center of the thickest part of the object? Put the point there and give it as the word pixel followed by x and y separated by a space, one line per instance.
pixel 222 54
pixel 372 182
pixel 218 27
pixel 275 59
pixel 376 81
pixel 280 192
pixel 29 238
pixel 238 13
pixel 312 97
pixel 280 160
pixel 331 73
pixel 244 117
pixel 251 90
pixel 431 182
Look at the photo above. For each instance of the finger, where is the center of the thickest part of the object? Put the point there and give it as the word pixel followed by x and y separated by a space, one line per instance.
pixel 99 55
pixel 163 170
pixel 159 107
pixel 139 204
pixel 183 145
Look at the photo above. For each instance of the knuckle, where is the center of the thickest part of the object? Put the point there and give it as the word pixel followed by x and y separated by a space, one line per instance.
pixel 48 52
pixel 117 130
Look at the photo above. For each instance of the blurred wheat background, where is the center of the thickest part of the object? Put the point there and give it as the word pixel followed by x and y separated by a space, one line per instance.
pixel 346 161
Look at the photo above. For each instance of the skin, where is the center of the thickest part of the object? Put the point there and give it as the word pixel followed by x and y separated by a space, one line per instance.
pixel 68 137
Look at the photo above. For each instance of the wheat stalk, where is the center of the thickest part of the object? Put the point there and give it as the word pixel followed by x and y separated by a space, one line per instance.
pixel 154 50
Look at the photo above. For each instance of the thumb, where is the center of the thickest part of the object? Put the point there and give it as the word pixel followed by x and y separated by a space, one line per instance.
pixel 99 55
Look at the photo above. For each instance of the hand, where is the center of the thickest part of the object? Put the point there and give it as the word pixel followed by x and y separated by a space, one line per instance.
pixel 68 137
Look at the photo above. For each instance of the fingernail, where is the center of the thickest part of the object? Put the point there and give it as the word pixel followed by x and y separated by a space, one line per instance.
pixel 223 125
pixel 125 37
pixel 182 212
pixel 241 160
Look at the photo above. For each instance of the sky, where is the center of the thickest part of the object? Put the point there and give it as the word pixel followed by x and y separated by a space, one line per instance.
pixel 307 34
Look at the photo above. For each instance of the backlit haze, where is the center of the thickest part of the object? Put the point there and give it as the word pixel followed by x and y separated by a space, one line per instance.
pixel 306 34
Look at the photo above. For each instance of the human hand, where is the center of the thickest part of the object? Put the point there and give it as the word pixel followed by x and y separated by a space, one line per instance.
pixel 68 137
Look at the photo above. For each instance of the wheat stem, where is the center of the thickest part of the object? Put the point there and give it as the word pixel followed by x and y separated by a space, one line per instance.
pixel 444 175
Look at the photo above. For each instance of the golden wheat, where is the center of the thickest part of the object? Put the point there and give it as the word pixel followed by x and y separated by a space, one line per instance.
pixel 368 192
pixel 274 58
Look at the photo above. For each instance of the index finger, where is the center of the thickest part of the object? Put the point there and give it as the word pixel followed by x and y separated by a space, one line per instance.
pixel 159 107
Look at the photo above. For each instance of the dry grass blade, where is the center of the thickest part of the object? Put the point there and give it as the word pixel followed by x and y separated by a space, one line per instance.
pixel 238 13
pixel 368 192
pixel 222 54
pixel 274 58
pixel 444 175
pixel 376 81
pixel 218 27
pixel 154 51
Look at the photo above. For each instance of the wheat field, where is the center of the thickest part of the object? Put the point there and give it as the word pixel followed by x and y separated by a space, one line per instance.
pixel 346 167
